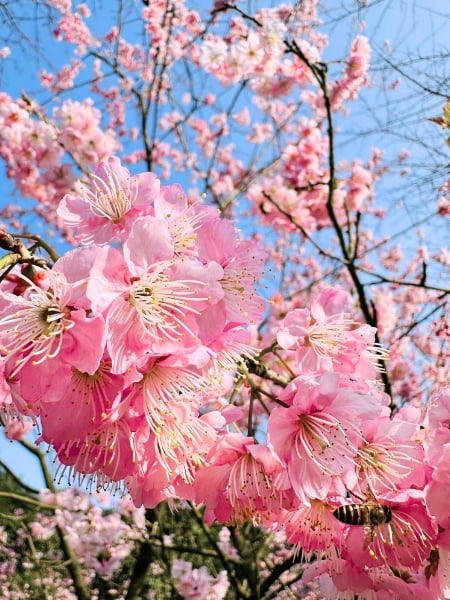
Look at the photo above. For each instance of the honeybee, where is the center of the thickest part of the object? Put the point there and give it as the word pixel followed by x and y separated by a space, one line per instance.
pixel 369 513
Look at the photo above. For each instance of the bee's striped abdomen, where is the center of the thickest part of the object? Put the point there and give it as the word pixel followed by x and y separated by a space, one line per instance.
pixel 367 513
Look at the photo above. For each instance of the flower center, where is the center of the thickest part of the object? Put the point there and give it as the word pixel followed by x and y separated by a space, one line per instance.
pixel 107 197
pixel 34 331
pixel 163 305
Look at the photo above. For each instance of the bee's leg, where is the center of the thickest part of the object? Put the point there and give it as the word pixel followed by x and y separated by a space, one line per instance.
pixel 369 534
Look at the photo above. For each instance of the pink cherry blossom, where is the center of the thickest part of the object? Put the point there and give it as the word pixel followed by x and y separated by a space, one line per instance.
pixel 157 313
pixel 355 74
pixel 391 457
pixel 41 325
pixel 180 437
pixel 238 483
pixel 81 402
pixel 108 203
pixel 194 584
pixel 318 432
pixel 106 454
pixel 242 264
pixel 404 541
pixel 75 31
pixel 182 219
pixel 130 353
pixel 313 529
pixel 325 338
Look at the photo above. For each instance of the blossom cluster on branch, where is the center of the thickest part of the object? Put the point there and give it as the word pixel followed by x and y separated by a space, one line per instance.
pixel 125 350
pixel 269 137
pixel 147 358
pixel 138 338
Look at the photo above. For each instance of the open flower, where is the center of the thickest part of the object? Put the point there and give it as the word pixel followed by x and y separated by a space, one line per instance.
pixel 106 205
pixel 238 483
pixel 151 300
pixel 325 338
pixel 313 529
pixel 318 435
pixel 43 324
pixel 390 458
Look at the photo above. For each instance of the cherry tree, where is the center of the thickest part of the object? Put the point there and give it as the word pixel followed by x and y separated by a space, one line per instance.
pixel 218 305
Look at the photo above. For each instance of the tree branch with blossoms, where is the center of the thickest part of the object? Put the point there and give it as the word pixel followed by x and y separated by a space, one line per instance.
pixel 154 359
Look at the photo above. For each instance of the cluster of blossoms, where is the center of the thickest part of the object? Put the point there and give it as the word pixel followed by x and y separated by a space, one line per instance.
pixel 295 194
pixel 101 538
pixel 355 74
pixel 331 442
pixel 392 464
pixel 124 352
pixel 34 148
pixel 118 347
pixel 257 55
pixel 196 584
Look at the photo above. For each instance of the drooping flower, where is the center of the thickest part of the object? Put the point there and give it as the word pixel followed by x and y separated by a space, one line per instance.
pixel 106 454
pixel 313 529
pixel 250 490
pixel 169 396
pixel 79 403
pixel 238 483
